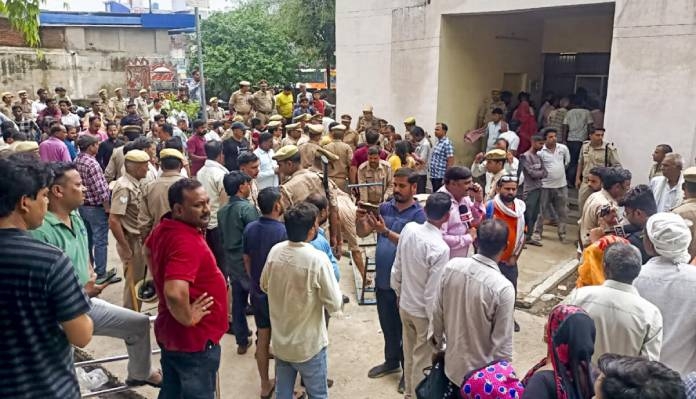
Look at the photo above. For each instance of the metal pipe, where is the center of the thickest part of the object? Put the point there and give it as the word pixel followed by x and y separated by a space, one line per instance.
pixel 365 185
pixel 109 359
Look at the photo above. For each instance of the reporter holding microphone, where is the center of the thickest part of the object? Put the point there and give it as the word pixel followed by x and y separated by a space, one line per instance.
pixel 466 212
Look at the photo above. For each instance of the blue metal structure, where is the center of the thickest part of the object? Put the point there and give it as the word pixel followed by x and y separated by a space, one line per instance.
pixel 170 21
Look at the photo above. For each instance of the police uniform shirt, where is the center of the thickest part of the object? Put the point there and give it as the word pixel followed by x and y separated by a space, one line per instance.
pixel 125 201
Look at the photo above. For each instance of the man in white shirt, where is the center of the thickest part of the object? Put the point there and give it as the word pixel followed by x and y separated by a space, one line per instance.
pixel 420 257
pixel 494 128
pixel 268 167
pixel 68 118
pixel 156 109
pixel 601 208
pixel 211 176
pixel 295 269
pixel 474 303
pixel 668 187
pixel 554 190
pixel 423 150
pixel 626 323
pixel 669 282
pixel 40 103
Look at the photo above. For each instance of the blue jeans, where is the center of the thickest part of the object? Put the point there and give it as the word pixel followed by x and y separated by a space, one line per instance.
pixel 189 375
pixel 240 299
pixel 98 223
pixel 313 373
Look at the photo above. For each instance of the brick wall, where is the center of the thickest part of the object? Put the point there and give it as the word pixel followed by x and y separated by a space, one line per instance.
pixel 51 37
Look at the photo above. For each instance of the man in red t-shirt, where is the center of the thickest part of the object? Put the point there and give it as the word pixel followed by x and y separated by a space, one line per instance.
pixel 196 146
pixel 192 311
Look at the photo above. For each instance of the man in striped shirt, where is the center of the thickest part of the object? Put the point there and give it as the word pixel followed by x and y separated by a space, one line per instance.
pixel 44 308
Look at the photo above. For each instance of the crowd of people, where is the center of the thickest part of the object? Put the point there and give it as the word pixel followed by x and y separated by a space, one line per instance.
pixel 248 213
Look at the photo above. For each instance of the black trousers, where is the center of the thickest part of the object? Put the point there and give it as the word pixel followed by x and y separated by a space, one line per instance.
pixel 422 182
pixel 532 201
pixel 390 322
pixel 437 183
pixel 212 238
pixel 510 273
pixel 574 148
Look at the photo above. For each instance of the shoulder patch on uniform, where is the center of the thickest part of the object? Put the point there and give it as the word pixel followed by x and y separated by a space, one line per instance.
pixel 123 199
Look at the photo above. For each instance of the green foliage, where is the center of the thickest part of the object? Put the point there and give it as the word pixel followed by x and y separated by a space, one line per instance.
pixel 191 108
pixel 247 43
pixel 312 26
pixel 24 17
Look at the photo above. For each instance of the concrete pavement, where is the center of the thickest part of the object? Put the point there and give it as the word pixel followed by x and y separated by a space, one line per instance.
pixel 356 342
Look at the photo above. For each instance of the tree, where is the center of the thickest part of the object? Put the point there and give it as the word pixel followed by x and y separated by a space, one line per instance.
pixel 312 26
pixel 247 43
pixel 24 17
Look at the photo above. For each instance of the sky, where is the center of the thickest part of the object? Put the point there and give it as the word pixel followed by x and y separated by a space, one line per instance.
pixel 98 5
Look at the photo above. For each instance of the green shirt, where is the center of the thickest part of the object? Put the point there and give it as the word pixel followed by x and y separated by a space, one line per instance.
pixel 232 219
pixel 72 241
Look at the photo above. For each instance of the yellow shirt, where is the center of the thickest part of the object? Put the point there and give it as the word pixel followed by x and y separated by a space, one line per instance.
pixel 395 162
pixel 284 104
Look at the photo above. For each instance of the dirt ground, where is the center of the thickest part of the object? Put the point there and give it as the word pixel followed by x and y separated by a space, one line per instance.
pixel 355 346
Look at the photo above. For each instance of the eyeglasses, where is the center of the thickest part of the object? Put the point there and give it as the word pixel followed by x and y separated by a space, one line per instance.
pixel 508 178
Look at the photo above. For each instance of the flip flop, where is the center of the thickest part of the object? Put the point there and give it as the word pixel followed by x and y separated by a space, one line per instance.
pixel 139 383
pixel 270 393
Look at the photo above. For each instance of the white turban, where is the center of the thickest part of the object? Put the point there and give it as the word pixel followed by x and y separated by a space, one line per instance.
pixel 670 235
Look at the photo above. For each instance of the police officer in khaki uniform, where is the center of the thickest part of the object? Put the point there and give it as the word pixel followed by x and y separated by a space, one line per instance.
pixel 142 109
pixel 105 105
pixel 485 113
pixel 375 170
pixel 350 137
pixel 25 103
pixel 114 169
pixel 368 120
pixel 300 182
pixel 263 101
pixel 241 101
pixel 687 209
pixel 594 152
pixel 338 170
pixel 155 198
pixel 293 135
pixel 117 106
pixel 126 198
pixel 6 104
pixel 309 149
pixel 215 113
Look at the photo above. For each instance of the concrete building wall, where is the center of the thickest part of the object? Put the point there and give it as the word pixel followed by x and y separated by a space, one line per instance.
pixel 385 57
pixel 88 59
pixel 652 81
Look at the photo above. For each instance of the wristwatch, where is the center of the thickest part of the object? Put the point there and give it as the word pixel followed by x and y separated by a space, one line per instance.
pixel 385 234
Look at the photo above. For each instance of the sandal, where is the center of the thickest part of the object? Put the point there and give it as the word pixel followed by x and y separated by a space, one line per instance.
pixel 270 393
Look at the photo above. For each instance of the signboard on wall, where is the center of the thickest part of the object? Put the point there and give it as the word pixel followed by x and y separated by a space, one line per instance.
pixel 153 75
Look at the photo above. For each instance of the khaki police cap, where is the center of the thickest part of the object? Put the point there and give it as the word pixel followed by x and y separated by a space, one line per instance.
pixel 7 94
pixel 410 120
pixel 325 140
pixel 238 118
pixel 285 152
pixel 276 118
pixel 315 129
pixel 244 83
pixel 346 117
pixel 171 153
pixel 367 108
pixel 328 154
pixel 142 91
pixel 213 100
pixel 117 89
pixel 101 91
pixel 496 155
pixel 299 118
pixel 273 124
pixel 137 156
pixel 292 126
pixel 690 174
pixel 19 93
pixel 339 127
pixel 27 146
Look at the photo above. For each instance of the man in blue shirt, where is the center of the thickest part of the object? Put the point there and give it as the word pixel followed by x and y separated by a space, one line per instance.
pixel 259 237
pixel 442 156
pixel 393 216
pixel 320 242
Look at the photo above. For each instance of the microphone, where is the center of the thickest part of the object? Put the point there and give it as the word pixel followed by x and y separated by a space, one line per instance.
pixel 465 216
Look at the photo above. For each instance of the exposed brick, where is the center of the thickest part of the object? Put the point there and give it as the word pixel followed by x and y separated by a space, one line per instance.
pixel 51 37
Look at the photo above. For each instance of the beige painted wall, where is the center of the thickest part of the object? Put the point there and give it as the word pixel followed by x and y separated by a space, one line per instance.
pixel 475 53
pixel 582 34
